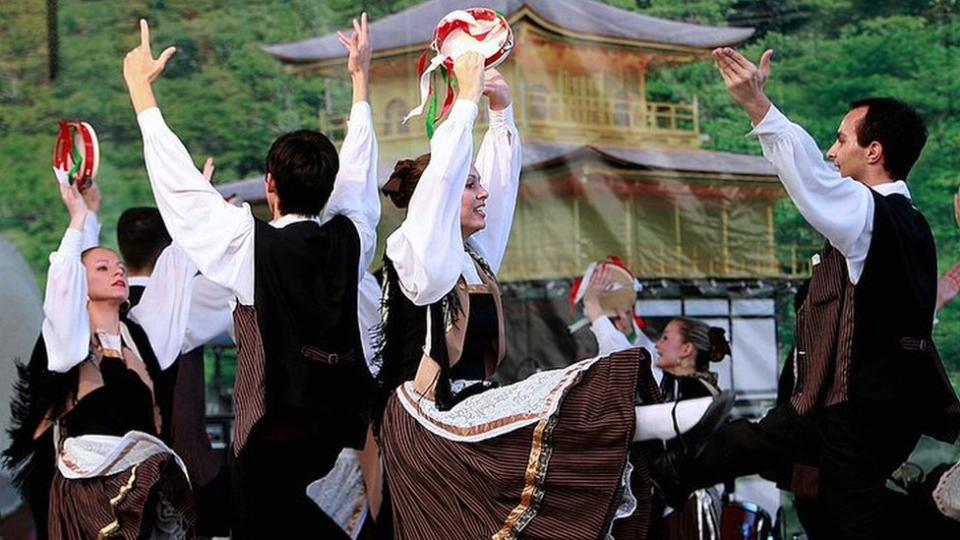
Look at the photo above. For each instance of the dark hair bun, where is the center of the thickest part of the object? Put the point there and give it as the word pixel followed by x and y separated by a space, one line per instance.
pixel 719 347
pixel 403 180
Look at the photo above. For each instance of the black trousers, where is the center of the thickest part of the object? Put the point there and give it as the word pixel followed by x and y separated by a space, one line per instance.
pixel 855 445
pixel 270 480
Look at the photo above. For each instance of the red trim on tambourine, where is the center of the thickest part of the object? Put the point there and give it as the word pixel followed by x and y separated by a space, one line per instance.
pixel 459 22
pixel 80 159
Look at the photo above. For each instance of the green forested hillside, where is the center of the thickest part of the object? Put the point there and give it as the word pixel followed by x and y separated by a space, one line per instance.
pixel 229 99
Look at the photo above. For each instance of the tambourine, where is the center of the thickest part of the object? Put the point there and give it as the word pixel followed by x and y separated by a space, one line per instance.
pixel 76 156
pixel 481 30
pixel 623 287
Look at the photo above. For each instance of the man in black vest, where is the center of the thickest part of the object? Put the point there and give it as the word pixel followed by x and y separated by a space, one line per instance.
pixel 179 389
pixel 302 386
pixel 868 380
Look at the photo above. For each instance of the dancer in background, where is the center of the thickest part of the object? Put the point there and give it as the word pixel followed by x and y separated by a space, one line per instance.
pixel 160 272
pixel 868 384
pixel 86 416
pixel 302 387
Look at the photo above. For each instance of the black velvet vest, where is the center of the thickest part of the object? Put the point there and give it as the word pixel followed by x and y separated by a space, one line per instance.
pixel 306 285
pixel 894 358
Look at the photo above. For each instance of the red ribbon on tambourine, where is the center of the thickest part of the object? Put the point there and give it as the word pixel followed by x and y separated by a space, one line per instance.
pixel 481 30
pixel 76 156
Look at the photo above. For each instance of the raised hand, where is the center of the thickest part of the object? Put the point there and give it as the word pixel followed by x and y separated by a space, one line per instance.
pixel 140 69
pixel 76 206
pixel 948 287
pixel 358 60
pixel 600 283
pixel 358 45
pixel 496 89
pixel 745 81
pixel 468 68
pixel 208 169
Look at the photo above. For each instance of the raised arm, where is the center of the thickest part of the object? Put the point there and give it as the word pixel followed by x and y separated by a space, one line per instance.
pixel 164 307
pixel 427 248
pixel 355 190
pixel 609 338
pixel 91 224
pixel 499 161
pixel 839 208
pixel 66 322
pixel 221 243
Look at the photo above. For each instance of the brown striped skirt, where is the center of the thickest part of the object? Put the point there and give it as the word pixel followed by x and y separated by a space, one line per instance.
pixel 557 477
pixel 130 504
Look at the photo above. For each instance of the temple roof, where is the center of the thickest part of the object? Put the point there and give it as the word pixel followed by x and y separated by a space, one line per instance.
pixel 538 155
pixel 543 156
pixel 413 28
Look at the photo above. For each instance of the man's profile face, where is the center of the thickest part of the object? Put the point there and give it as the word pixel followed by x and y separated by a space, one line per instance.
pixel 846 153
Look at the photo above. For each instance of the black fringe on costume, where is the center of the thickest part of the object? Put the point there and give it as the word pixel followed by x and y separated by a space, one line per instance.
pixel 38 392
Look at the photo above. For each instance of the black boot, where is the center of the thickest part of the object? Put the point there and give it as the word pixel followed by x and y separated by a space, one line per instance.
pixel 668 460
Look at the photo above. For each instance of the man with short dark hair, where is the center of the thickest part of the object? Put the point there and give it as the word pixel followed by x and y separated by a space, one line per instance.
pixel 868 381
pixel 302 386
pixel 141 238
pixel 198 314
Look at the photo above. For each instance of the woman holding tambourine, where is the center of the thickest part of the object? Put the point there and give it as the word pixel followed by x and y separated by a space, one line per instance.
pixel 85 419
pixel 544 457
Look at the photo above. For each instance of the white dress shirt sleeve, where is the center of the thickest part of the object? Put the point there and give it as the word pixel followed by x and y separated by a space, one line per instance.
pixel 427 249
pixel 66 322
pixel 355 192
pixel 181 310
pixel 499 162
pixel 210 317
pixel 840 208
pixel 164 308
pixel 216 236
pixel 91 231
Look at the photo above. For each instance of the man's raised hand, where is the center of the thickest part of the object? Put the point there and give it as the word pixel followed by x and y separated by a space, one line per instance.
pixel 745 81
pixel 140 69
pixel 358 60
pixel 358 47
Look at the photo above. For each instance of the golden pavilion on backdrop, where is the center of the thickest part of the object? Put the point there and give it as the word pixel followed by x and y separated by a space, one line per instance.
pixel 606 171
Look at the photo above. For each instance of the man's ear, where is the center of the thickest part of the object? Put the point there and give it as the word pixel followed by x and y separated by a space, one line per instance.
pixel 875 153
pixel 271 184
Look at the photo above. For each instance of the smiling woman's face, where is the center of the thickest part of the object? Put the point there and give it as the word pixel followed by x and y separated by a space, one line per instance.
pixel 106 276
pixel 473 216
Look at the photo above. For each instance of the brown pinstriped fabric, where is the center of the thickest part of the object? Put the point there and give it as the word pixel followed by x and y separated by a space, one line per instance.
pixel 249 398
pixel 449 490
pixel 81 509
pixel 824 336
pixel 640 523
